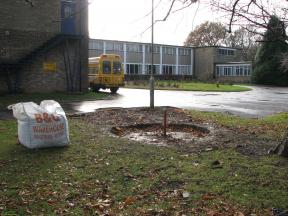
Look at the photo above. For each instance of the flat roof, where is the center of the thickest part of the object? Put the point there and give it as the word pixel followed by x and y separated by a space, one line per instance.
pixel 187 47
pixel 235 48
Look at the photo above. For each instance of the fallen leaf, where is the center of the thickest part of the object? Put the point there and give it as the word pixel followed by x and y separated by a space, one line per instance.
pixel 185 194
pixel 129 201
pixel 207 197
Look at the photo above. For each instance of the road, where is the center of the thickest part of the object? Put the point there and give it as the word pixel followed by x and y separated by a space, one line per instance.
pixel 259 102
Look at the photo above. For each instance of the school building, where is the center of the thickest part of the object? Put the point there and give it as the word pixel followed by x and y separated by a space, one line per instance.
pixel 214 63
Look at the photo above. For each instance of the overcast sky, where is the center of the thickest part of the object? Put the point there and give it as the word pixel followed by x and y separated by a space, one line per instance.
pixel 127 20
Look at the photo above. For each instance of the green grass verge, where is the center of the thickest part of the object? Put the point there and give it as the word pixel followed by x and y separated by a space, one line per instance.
pixel 60 97
pixel 273 126
pixel 97 174
pixel 188 86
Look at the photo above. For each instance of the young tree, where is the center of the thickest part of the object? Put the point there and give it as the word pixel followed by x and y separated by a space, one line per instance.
pixel 267 66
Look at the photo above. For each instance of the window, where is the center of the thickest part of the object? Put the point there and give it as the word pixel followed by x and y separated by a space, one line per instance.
pixel 184 52
pixel 109 46
pixel 106 67
pixel 237 71
pixel 133 69
pixel 134 47
pixel 68 12
pixel 230 52
pixel 96 45
pixel 118 47
pixel 168 69
pixel 117 67
pixel 246 71
pixel 156 49
pixel 223 51
pixel 169 50
pixel 184 69
pixel 233 70
pixel 149 67
pixel 228 71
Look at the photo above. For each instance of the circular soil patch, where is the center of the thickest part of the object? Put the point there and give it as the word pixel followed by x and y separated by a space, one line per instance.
pixel 154 133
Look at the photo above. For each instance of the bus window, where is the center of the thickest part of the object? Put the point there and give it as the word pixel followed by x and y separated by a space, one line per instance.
pixel 117 67
pixel 106 67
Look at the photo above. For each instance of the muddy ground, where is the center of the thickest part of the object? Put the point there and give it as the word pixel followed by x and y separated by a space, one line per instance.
pixel 188 134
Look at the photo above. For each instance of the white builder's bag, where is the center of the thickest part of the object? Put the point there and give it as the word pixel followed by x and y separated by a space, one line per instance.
pixel 41 126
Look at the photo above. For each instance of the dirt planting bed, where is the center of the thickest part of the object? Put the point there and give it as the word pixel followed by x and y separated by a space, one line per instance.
pixel 145 126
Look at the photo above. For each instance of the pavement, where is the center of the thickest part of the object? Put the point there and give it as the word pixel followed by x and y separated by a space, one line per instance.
pixel 259 102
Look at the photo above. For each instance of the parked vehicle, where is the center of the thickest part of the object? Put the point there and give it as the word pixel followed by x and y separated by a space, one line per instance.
pixel 106 71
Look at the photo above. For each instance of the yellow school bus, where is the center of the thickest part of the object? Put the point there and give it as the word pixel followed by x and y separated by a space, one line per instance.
pixel 106 71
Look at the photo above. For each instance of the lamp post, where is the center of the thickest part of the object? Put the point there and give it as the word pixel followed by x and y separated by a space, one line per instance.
pixel 152 81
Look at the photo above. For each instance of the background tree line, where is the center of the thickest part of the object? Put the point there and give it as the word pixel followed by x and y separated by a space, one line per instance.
pixel 258 27
pixel 216 34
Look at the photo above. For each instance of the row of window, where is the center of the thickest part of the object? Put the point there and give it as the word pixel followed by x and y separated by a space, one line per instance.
pixel 117 46
pixel 95 45
pixel 228 52
pixel 134 69
pixel 233 70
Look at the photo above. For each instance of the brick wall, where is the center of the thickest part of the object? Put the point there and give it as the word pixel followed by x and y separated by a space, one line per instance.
pixel 16 44
pixel 43 16
pixel 35 79
pixel 25 28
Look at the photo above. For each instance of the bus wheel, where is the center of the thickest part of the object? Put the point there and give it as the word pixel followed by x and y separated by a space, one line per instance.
pixel 114 90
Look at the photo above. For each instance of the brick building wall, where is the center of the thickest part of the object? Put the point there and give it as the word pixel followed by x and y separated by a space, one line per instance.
pixel 208 58
pixel 42 16
pixel 24 27
pixel 32 32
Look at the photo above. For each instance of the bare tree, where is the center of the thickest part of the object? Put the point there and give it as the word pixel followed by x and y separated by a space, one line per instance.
pixel 216 34
pixel 255 13
pixel 172 9
pixel 207 34
pixel 246 40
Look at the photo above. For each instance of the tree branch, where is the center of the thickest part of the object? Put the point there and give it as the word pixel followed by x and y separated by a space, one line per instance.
pixel 232 15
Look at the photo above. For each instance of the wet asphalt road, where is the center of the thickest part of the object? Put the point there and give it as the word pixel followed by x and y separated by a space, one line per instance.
pixel 259 102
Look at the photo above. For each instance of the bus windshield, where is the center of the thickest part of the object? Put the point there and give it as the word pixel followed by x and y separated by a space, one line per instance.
pixel 106 67
pixel 117 67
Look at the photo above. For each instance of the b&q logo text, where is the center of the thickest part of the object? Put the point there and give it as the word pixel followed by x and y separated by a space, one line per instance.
pixel 45 117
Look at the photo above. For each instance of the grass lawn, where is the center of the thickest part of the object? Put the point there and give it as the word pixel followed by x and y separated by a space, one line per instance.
pixel 6 100
pixel 187 86
pixel 273 126
pixel 100 174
